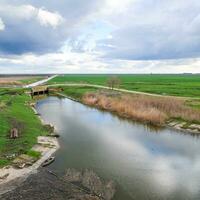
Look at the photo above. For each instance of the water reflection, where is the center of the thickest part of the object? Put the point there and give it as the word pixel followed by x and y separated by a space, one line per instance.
pixel 145 165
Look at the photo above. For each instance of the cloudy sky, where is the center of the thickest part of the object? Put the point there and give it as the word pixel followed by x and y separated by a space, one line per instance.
pixel 99 36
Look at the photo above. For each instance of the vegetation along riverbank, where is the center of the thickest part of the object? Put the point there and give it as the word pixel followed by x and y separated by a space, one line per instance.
pixel 179 113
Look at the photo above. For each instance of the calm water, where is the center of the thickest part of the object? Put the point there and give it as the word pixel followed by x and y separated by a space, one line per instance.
pixel 145 164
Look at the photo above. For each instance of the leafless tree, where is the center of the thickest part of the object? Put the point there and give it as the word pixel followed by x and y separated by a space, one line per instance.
pixel 113 82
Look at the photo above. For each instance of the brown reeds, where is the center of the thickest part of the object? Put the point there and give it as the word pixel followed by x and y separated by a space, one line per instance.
pixel 149 109
pixel 5 82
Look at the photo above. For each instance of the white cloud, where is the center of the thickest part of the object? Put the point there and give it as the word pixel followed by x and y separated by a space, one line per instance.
pixel 115 6
pixel 148 30
pixel 101 36
pixel 17 12
pixel 47 18
pixel 84 62
pixel 2 25
pixel 27 12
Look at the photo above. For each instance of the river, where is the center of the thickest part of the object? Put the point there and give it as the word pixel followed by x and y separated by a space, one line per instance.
pixel 145 163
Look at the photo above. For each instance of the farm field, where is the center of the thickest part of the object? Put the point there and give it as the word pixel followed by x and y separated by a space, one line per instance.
pixel 175 85
pixel 18 80
pixel 77 92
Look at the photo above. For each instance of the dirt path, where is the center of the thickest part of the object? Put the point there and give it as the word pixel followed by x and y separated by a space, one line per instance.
pixel 39 82
pixel 116 89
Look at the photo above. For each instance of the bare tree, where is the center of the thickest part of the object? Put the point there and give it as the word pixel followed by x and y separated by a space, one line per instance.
pixel 113 82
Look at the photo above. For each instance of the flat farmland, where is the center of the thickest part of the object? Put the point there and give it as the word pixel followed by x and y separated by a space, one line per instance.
pixel 175 85
pixel 18 80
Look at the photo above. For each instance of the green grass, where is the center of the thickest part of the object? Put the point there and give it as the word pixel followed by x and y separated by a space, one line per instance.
pixel 177 85
pixel 17 112
pixel 194 103
pixel 34 154
pixel 77 92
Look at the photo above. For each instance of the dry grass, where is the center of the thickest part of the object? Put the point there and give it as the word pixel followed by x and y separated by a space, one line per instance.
pixel 14 80
pixel 2 105
pixel 154 110
pixel 9 82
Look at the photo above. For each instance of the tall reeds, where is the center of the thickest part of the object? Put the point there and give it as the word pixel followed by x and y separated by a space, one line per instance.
pixel 153 110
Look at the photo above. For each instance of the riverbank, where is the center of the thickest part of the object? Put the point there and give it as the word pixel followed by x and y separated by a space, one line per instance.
pixel 23 155
pixel 16 113
pixel 176 113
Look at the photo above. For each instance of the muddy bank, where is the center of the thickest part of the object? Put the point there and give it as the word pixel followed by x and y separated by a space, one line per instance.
pixel 73 185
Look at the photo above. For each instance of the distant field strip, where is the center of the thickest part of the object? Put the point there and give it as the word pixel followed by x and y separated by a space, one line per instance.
pixel 18 80
pixel 165 85
pixel 105 87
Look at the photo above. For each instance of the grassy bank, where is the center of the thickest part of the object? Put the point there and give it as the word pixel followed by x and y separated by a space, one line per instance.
pixel 143 108
pixel 76 92
pixel 177 85
pixel 15 112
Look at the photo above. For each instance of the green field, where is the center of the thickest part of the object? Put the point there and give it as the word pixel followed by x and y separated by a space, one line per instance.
pixel 15 112
pixel 77 92
pixel 177 85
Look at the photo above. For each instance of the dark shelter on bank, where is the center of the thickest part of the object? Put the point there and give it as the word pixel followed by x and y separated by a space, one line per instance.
pixel 39 90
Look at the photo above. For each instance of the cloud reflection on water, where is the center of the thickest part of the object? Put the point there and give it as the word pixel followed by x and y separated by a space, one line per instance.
pixel 166 164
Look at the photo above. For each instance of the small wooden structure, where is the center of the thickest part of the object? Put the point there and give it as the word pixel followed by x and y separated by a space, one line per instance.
pixel 48 161
pixel 39 90
pixel 14 133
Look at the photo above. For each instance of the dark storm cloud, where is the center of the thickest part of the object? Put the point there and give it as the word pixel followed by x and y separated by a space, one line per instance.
pixel 26 32
pixel 143 29
pixel 29 37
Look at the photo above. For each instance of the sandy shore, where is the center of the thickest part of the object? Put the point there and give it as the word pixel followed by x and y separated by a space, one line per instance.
pixel 11 177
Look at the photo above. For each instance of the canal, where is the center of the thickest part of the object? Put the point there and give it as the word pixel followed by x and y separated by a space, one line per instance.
pixel 145 163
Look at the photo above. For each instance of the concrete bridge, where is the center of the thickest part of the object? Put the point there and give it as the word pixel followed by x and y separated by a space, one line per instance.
pixel 39 90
